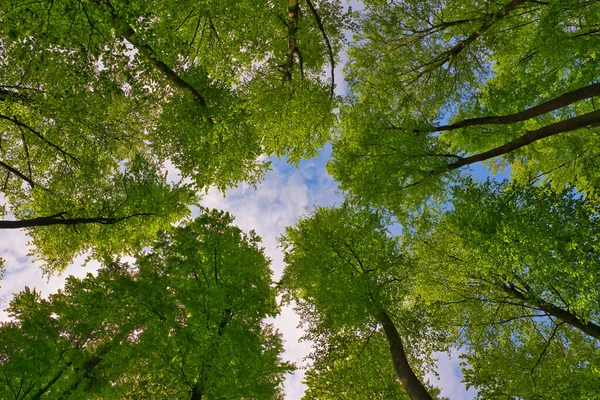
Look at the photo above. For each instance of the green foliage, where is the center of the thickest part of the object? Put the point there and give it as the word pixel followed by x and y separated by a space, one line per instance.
pixel 185 320
pixel 98 97
pixel 415 66
pixel 356 368
pixel 343 271
pixel 515 272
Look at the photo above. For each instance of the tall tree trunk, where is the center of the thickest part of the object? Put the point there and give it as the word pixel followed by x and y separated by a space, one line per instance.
pixel 412 384
pixel 292 23
pixel 566 316
pixel 196 392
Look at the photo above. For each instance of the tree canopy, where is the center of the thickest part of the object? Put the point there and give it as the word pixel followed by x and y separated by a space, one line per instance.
pixel 515 271
pixel 97 98
pixel 116 117
pixel 439 85
pixel 184 321
pixel 351 283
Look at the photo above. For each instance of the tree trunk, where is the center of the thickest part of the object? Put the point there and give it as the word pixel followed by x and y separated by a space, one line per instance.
pixel 412 384
pixel 292 23
pixel 566 316
pixel 196 392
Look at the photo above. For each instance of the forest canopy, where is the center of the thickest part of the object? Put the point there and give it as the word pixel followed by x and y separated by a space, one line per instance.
pixel 117 118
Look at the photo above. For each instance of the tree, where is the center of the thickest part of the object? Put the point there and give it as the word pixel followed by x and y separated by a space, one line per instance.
pixel 184 321
pixel 516 272
pixel 437 86
pixel 98 97
pixel 354 367
pixel 350 282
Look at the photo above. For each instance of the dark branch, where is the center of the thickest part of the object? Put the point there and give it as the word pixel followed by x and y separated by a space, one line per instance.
pixel 566 316
pixel 563 100
pixel 326 38
pixel 15 121
pixel 58 219
pixel 31 183
pixel 588 120
pixel 548 341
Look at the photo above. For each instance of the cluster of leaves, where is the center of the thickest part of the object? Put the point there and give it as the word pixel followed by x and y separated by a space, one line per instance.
pixel 351 283
pixel 184 321
pixel 98 98
pixel 438 85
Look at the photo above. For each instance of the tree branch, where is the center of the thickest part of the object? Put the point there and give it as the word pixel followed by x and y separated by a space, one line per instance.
pixel 38 395
pixel 31 183
pixel 588 120
pixel 58 220
pixel 563 100
pixel 487 24
pixel 566 316
pixel 15 121
pixel 326 38
pixel 548 341
pixel 148 52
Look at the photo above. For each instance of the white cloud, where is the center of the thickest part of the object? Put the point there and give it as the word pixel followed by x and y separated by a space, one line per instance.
pixel 22 270
pixel 285 195
pixel 450 377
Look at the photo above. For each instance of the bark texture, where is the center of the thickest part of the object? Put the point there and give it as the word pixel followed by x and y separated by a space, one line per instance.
pixel 412 384
pixel 565 316
pixel 588 120
pixel 58 219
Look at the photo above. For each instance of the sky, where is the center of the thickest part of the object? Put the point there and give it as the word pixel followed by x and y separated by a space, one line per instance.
pixel 285 194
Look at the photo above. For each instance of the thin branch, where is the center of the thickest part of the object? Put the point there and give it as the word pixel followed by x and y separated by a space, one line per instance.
pixel 58 220
pixel 15 121
pixel 548 341
pixel 26 148
pixel 31 183
pixel 326 38
pixel 147 51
